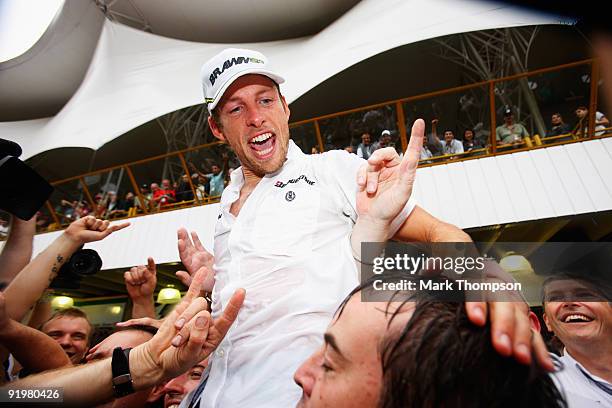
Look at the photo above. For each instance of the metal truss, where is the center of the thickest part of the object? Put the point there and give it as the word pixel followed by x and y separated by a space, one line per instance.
pixel 497 53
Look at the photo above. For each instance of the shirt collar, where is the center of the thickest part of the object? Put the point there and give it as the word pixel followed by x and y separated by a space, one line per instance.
pixel 571 361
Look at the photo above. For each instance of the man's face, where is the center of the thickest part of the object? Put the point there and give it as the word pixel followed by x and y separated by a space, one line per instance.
pixel 254 120
pixel 177 389
pixel 555 120
pixel 347 371
pixel 508 119
pixel 72 333
pixel 576 313
pixel 448 136
pixel 581 113
pixel 366 139
pixel 166 184
pixel 216 169
pixel 154 187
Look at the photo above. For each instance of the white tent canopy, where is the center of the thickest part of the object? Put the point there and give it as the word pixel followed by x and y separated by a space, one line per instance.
pixel 136 76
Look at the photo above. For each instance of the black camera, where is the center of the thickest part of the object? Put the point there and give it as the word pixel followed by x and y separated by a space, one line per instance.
pixel 84 262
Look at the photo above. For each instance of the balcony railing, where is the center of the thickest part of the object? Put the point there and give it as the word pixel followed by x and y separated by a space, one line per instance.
pixel 476 107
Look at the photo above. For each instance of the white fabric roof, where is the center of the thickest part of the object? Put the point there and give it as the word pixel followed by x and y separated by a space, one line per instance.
pixel 136 76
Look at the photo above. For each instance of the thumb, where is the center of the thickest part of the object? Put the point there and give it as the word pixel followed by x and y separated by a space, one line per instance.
pixel 151 265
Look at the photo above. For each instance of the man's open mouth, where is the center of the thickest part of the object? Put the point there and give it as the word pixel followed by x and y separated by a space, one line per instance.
pixel 576 318
pixel 263 144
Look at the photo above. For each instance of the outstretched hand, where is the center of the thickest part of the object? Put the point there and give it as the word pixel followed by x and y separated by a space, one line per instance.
pixel 385 182
pixel 194 256
pixel 91 229
pixel 186 336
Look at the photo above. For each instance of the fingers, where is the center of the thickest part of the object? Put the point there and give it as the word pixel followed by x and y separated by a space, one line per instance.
pixel 521 344
pixel 383 156
pixel 196 306
pixel 198 333
pixel 361 177
pixel 540 352
pixel 144 321
pixel 151 265
pixel 184 277
pixel 225 321
pixel 477 312
pixel 413 153
pixel 196 241
pixel 502 326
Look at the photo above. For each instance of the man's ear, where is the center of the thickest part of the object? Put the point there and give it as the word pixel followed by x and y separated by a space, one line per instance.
pixel 216 130
pixel 285 106
pixel 546 322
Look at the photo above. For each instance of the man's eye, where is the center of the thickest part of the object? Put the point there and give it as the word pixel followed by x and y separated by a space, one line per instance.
pixel 235 110
pixel 326 367
pixel 266 101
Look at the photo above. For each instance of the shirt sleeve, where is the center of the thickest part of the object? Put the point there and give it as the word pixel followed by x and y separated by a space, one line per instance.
pixel 342 167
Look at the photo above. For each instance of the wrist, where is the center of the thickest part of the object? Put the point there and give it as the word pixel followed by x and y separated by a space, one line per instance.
pixel 372 229
pixel 69 240
pixel 143 369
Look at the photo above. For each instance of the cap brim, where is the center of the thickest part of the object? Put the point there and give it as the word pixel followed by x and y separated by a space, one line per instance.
pixel 273 76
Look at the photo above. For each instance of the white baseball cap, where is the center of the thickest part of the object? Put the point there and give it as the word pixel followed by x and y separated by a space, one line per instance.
pixel 220 71
pixel 385 132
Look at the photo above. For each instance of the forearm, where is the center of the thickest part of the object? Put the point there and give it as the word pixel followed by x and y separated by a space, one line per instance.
pixel 84 385
pixel 420 226
pixel 371 231
pixel 33 349
pixel 41 313
pixel 29 285
pixel 17 250
pixel 143 307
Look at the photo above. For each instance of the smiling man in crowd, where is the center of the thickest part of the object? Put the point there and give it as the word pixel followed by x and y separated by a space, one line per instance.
pixel 72 330
pixel 579 313
pixel 284 233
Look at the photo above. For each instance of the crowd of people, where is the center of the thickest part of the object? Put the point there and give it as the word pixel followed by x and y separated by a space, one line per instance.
pixel 287 320
pixel 421 351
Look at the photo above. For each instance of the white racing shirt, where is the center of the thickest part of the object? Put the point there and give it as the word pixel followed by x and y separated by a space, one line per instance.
pixel 290 249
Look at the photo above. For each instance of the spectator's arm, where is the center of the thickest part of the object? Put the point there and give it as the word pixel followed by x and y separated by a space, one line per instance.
pixel 166 355
pixel 140 282
pixel 602 121
pixel 41 313
pixel 420 226
pixel 33 349
pixel 17 249
pixel 32 281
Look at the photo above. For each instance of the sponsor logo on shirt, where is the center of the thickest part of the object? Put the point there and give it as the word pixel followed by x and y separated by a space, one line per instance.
pixel 281 184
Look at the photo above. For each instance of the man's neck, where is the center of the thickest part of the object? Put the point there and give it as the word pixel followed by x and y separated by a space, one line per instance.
pixel 250 179
pixel 596 358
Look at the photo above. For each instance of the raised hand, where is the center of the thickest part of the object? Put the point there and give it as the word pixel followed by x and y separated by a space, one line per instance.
pixel 194 256
pixel 140 281
pixel 170 352
pixel 385 182
pixel 91 229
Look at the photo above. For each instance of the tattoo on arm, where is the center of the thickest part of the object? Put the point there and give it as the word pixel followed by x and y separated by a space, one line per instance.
pixel 59 260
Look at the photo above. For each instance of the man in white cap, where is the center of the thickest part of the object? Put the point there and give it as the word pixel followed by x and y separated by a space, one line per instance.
pixel 284 234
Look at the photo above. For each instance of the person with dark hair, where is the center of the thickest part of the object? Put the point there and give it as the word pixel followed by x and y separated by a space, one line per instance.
pixel 450 144
pixel 72 330
pixel 421 351
pixel 366 147
pixel 582 127
pixel 558 126
pixel 577 309
pixel 470 142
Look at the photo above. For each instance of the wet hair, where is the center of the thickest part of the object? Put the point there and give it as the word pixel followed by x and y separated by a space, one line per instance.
pixel 74 313
pixel 440 359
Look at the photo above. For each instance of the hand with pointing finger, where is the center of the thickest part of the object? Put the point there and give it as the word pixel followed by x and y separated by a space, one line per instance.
pixel 194 256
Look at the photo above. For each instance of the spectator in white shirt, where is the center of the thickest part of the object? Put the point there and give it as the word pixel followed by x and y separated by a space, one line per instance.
pixel 579 313
pixel 366 147
pixel 450 144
